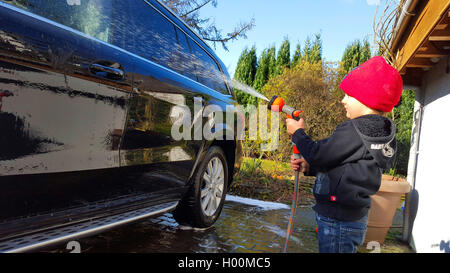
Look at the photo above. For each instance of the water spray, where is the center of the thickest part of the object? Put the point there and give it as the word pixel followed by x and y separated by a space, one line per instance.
pixel 247 89
pixel 277 104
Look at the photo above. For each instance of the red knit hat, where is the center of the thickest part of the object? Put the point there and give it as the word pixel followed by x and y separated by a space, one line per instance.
pixel 375 84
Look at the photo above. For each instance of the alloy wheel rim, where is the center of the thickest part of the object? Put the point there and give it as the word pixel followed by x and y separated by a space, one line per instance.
pixel 212 186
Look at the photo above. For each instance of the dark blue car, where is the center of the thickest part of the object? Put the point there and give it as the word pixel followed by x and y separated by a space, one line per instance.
pixel 93 94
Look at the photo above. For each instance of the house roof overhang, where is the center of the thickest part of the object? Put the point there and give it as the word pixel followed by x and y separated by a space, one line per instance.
pixel 424 41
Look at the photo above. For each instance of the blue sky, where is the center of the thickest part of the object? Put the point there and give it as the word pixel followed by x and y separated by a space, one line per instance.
pixel 340 22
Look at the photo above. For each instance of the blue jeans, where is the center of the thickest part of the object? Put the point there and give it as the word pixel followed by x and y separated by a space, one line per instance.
pixel 340 236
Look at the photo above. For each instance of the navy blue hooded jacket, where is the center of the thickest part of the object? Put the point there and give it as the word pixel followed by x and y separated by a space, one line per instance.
pixel 348 165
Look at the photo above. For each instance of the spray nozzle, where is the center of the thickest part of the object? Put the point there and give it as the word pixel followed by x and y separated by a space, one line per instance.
pixel 277 104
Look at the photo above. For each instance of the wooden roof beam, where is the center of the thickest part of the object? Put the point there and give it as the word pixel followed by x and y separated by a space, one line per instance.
pixel 429 55
pixel 440 35
pixel 420 63
pixel 431 16
pixel 428 50
pixel 441 26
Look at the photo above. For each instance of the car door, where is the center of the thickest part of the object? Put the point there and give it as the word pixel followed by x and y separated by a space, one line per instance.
pixel 65 89
pixel 165 89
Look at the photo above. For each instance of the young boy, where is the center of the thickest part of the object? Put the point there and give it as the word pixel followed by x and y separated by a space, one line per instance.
pixel 348 165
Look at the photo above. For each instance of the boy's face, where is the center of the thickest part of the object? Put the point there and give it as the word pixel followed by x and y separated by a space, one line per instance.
pixel 354 107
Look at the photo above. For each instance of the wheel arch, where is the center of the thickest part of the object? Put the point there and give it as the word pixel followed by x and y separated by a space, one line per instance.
pixel 232 150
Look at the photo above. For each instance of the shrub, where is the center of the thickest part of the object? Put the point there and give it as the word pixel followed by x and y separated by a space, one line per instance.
pixel 308 87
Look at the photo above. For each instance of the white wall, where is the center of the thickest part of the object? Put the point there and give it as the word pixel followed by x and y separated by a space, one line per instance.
pixel 431 229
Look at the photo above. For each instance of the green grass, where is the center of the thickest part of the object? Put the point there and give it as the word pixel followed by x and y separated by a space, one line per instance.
pixel 264 165
pixel 269 180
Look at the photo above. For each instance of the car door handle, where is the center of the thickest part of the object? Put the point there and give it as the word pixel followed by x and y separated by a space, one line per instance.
pixel 106 71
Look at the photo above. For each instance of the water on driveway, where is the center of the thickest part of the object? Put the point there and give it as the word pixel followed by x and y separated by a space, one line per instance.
pixel 245 225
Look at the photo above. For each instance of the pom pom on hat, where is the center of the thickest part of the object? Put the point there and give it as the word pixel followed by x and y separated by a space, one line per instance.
pixel 375 84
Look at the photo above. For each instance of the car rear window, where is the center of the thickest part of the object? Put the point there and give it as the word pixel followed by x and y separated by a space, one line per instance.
pixel 208 72
pixel 158 40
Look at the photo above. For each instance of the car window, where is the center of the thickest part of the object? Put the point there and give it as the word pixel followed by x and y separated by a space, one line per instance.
pixel 92 17
pixel 121 27
pixel 185 59
pixel 154 35
pixel 158 40
pixel 208 72
pixel 116 22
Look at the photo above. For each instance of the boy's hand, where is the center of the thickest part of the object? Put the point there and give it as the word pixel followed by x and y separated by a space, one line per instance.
pixel 292 125
pixel 299 164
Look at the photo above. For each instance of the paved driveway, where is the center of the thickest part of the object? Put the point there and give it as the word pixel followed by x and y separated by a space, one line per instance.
pixel 245 225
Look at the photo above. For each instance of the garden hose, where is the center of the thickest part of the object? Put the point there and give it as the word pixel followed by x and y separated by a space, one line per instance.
pixel 277 104
pixel 293 210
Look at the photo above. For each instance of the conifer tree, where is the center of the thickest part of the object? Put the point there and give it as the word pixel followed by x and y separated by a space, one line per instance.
pixel 297 56
pixel 253 64
pixel 245 73
pixel 272 61
pixel 316 50
pixel 307 50
pixel 262 72
pixel 283 57
pixel 312 51
pixel 355 54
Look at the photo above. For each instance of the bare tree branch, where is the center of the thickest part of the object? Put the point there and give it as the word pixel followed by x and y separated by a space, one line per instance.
pixel 198 7
pixel 188 10
pixel 239 32
pixel 384 28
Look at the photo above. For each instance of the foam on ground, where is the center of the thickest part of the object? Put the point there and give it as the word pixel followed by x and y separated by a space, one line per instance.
pixel 265 205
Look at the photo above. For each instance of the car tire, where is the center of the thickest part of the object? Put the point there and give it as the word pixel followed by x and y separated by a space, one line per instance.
pixel 203 202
